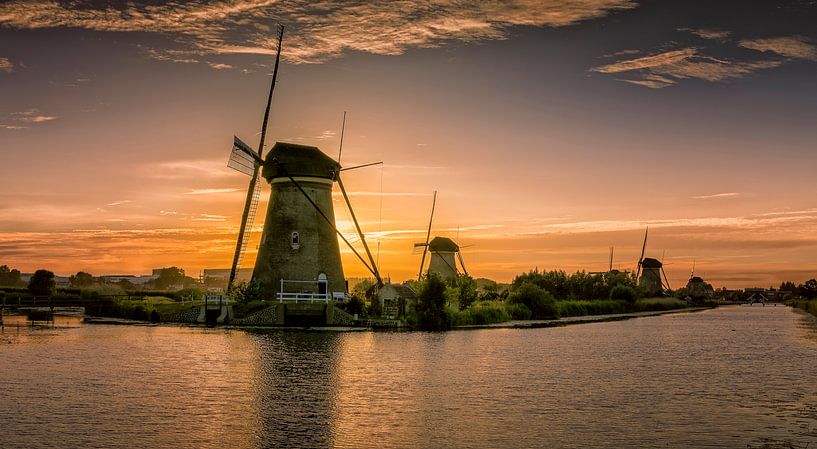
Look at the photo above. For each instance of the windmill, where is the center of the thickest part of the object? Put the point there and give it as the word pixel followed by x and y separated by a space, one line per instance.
pixel 696 287
pixel 443 251
pixel 649 272
pixel 299 254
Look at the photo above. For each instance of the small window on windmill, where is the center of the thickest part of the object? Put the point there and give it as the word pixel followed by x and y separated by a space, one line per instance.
pixel 295 240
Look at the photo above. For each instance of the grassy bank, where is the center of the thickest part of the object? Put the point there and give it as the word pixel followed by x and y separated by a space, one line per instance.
pixel 809 305
pixel 492 312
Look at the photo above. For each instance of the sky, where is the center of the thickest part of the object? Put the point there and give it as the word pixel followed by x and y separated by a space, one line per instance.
pixel 551 130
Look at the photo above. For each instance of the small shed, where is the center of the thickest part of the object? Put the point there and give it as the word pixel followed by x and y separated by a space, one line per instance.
pixel 395 299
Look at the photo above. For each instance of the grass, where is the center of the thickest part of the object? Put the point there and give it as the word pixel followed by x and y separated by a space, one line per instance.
pixel 809 306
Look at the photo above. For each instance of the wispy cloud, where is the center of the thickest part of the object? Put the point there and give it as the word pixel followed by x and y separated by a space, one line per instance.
pixel 219 66
pixel 22 119
pixel 667 68
pixel 209 217
pixel 189 169
pixel 796 47
pixel 118 203
pixel 320 31
pixel 210 191
pixel 716 195
pixel 707 33
pixel 6 65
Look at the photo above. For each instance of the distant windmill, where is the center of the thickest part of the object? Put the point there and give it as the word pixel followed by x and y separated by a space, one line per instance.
pixel 696 287
pixel 299 255
pixel 443 251
pixel 649 272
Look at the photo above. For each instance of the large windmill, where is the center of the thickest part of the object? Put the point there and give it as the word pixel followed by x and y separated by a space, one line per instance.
pixel 299 255
pixel 443 250
pixel 649 272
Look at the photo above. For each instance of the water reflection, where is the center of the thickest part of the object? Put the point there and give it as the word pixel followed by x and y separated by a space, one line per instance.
pixel 733 377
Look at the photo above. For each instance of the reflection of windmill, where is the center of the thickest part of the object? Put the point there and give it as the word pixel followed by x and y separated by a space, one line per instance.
pixel 649 272
pixel 299 254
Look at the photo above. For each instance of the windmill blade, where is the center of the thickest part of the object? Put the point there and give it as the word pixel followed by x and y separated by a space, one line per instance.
pixel 360 233
pixel 665 279
pixel 251 204
pixel 643 249
pixel 256 196
pixel 361 166
pixel 428 236
pixel 242 158
pixel 417 248
pixel 462 263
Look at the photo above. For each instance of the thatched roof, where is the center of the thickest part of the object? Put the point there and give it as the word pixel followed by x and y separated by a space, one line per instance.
pixel 649 262
pixel 298 160
pixel 443 244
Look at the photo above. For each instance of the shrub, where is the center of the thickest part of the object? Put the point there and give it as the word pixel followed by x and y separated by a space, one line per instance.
pixel 518 311
pixel 624 293
pixel 430 308
pixel 539 301
pixel 42 283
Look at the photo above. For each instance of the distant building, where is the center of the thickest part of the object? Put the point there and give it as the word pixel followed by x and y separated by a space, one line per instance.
pixel 61 281
pixel 138 280
pixel 396 299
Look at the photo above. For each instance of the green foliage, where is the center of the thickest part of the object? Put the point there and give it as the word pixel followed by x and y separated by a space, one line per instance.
pixel 42 283
pixel 518 311
pixel 624 293
pixel 81 279
pixel 244 309
pixel 429 309
pixel 538 300
pixel 10 277
pixel 170 277
pixel 189 294
pixel 355 305
pixel 467 291
pixel 579 285
pixel 483 312
pixel 245 292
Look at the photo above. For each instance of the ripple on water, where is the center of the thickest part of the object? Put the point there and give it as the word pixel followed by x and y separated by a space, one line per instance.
pixel 731 377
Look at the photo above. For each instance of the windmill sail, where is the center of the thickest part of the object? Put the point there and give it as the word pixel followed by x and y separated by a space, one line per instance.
pixel 245 238
pixel 242 158
pixel 253 192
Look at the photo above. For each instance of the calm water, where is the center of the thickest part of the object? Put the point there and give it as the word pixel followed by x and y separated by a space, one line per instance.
pixel 733 377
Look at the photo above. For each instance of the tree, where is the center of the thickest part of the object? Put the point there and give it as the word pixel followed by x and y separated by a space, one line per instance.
pixel 10 277
pixel 81 279
pixel 808 290
pixel 538 300
pixel 430 304
pixel 42 283
pixel 169 277
pixel 468 291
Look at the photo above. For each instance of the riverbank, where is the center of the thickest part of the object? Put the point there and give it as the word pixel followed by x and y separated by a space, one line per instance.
pixel 527 324
pixel 806 305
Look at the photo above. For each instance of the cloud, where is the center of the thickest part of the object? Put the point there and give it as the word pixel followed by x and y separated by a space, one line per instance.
pixel 717 195
pixel 189 169
pixel 219 66
pixel 796 47
pixel 707 33
pixel 210 191
pixel 6 65
pixel 120 202
pixel 667 68
pixel 209 217
pixel 316 32
pixel 19 120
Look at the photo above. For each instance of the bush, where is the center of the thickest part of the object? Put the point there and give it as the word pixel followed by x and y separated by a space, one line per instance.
pixel 624 293
pixel 539 301
pixel 430 308
pixel 518 311
pixel 42 283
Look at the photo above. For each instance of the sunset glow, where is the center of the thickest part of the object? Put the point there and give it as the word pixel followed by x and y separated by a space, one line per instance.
pixel 551 131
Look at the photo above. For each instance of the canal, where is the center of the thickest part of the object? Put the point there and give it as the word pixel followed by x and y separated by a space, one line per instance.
pixel 729 377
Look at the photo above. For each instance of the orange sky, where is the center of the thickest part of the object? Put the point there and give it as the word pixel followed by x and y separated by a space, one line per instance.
pixel 549 138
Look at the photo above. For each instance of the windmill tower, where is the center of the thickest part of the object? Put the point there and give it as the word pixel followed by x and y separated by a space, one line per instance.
pixel 299 255
pixel 649 272
pixel 443 250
